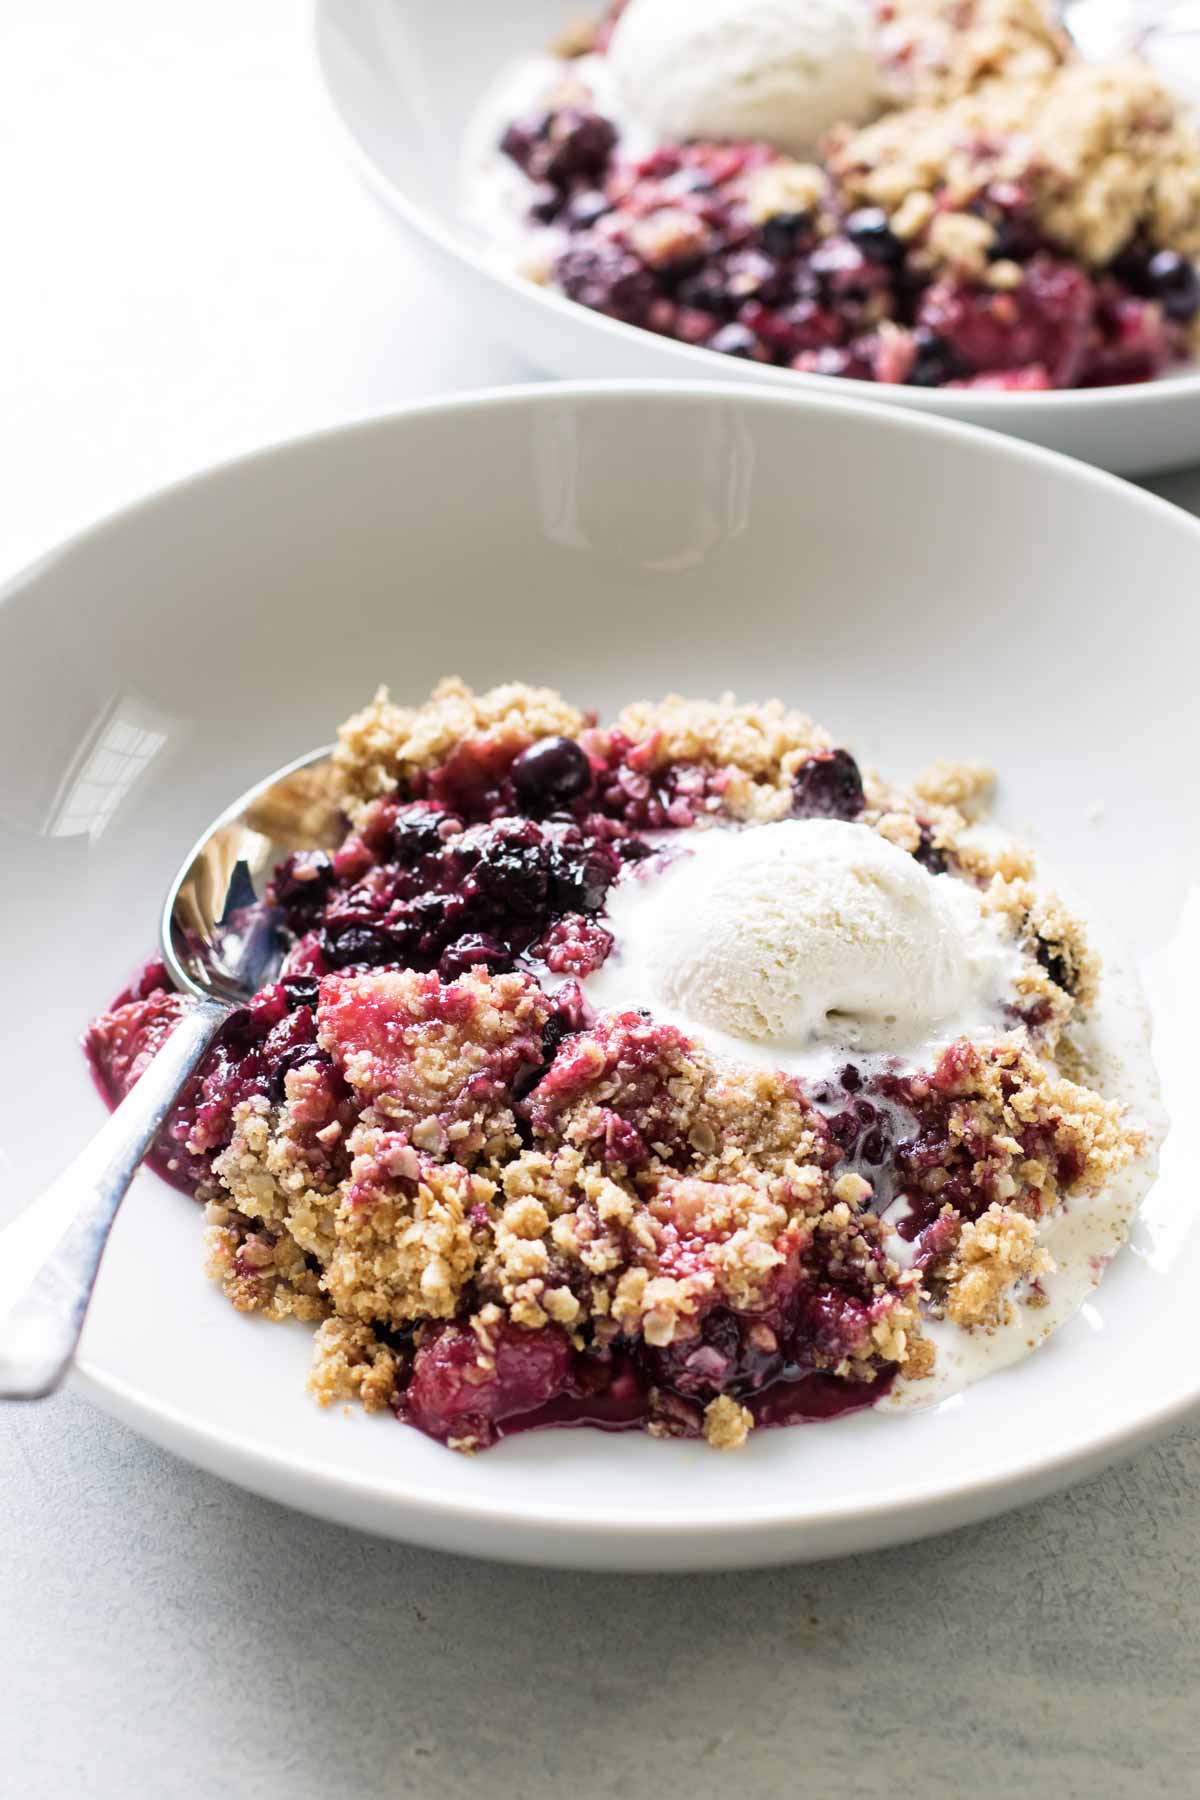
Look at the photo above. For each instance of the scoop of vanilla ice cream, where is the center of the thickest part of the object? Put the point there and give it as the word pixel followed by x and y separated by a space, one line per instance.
pixel 780 70
pixel 806 933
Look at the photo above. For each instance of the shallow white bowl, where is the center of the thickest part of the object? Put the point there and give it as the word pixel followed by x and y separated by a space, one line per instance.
pixel 403 77
pixel 923 588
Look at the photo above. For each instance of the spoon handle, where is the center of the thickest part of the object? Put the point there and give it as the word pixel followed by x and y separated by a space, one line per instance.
pixel 50 1254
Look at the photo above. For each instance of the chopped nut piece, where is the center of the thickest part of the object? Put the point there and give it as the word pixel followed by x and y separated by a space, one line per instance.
pixel 784 187
pixel 726 1424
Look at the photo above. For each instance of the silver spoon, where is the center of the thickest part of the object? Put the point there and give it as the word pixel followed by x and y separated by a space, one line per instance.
pixel 219 954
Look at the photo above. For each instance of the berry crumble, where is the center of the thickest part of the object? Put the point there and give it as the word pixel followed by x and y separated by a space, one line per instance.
pixel 517 1177
pixel 938 193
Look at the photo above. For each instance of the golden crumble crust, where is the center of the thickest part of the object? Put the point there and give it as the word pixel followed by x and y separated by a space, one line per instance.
pixel 994 92
pixel 404 1241
pixel 726 1424
pixel 431 1059
pixel 578 37
pixel 387 746
pixel 964 786
pixel 995 1254
pixel 756 748
pixel 999 1096
pixel 260 1270
pixel 350 1363
pixel 941 49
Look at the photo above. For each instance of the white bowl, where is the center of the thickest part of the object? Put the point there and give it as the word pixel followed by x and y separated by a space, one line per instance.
pixel 403 77
pixel 923 588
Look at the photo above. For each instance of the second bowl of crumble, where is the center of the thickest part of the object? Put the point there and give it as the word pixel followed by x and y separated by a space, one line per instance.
pixel 1003 230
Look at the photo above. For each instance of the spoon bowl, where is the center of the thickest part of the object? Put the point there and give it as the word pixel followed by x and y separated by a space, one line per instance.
pixel 220 945
pixel 217 939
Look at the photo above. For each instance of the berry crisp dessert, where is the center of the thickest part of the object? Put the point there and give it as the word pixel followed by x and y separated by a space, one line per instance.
pixel 940 193
pixel 675 1075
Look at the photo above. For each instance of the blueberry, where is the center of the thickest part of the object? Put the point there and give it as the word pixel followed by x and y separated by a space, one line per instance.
pixel 551 774
pixel 1014 241
pixel 300 1056
pixel 874 1147
pixel 301 990
pixel 575 143
pixel 729 1355
pixel 427 923
pixel 416 834
pixel 1174 280
pixel 1161 275
pixel 782 234
pixel 850 1078
pixel 608 279
pixel 936 362
pixel 557 1028
pixel 707 290
pixel 359 944
pixel 734 340
pixel 928 854
pixel 828 786
pixel 476 950
pixel 519 140
pixel 584 208
pixel 843 272
pixel 579 879
pixel 512 873
pixel 750 275
pixel 546 203
pixel 302 880
pixel 1051 958
pixel 869 232
pixel 844 1128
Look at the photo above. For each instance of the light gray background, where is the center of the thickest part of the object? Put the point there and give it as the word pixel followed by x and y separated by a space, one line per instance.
pixel 191 272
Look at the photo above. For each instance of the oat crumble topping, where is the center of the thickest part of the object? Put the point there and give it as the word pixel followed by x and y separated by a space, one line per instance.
pixel 1102 150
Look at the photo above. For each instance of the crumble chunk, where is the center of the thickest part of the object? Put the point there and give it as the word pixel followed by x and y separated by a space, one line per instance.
pixel 1017 1132
pixel 405 1239
pixel 350 1363
pixel 437 1060
pixel 1102 150
pixel 754 750
pixel 386 746
pixel 941 49
pixel 261 1271
pixel 726 1424
pixel 994 1254
pixel 963 786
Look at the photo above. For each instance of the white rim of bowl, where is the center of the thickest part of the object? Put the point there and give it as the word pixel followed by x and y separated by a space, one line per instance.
pixel 213 1448
pixel 455 242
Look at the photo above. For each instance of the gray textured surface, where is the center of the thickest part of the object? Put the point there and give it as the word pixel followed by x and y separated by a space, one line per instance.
pixel 168 1635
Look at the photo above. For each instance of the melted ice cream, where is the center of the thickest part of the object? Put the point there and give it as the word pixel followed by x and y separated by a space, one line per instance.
pixel 803 951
